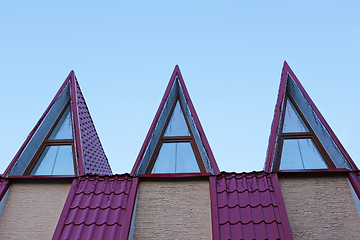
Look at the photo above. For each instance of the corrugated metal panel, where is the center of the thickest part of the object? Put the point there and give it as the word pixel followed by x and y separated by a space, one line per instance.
pixel 248 206
pixel 98 208
pixel 93 154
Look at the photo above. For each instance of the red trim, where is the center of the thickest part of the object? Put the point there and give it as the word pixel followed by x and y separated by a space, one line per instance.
pixel 321 118
pixel 153 124
pixel 214 209
pixel 12 163
pixel 314 170
pixel 3 188
pixel 74 108
pixel 355 183
pixel 175 73
pixel 275 124
pixel 198 125
pixel 175 175
pixel 40 176
pixel 61 223
pixel 130 209
pixel 282 209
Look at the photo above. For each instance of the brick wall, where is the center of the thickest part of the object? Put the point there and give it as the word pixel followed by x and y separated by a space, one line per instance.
pixel 173 210
pixel 320 207
pixel 32 210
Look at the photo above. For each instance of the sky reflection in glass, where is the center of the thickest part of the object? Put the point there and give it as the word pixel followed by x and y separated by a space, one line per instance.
pixel 301 154
pixel 55 160
pixel 293 121
pixel 176 157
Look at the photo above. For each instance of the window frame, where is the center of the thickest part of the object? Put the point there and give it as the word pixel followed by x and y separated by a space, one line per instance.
pixel 175 139
pixel 54 142
pixel 299 135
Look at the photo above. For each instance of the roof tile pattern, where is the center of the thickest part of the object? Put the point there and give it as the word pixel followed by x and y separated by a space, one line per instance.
pixel 248 207
pixel 98 208
pixel 93 154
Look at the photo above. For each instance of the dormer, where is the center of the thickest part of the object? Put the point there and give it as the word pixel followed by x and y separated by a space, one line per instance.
pixel 176 142
pixel 301 139
pixel 64 141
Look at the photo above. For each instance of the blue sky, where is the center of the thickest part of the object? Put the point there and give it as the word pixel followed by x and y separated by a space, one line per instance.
pixel 230 54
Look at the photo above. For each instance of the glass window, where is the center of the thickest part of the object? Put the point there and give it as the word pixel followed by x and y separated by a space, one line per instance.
pixel 301 154
pixel 176 157
pixel 177 125
pixel 63 129
pixel 55 160
pixel 293 121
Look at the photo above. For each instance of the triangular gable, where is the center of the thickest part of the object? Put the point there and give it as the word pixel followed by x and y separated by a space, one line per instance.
pixel 175 91
pixel 326 140
pixel 89 156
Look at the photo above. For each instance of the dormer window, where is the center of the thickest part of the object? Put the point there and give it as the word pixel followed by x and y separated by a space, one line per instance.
pixel 176 151
pixel 56 154
pixel 300 148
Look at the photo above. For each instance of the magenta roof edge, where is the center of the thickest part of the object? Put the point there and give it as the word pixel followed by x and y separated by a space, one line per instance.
pixel 64 213
pixel 7 170
pixel 175 73
pixel 153 124
pixel 275 124
pixel 354 180
pixel 214 208
pixel 130 208
pixel 282 208
pixel 276 120
pixel 74 106
pixel 199 127
pixel 321 118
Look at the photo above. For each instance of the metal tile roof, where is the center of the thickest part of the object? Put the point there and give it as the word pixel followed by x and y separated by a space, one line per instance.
pixel 93 155
pixel 248 206
pixel 98 208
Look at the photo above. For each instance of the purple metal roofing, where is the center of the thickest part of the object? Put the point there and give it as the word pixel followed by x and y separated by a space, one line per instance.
pixel 98 208
pixel 90 153
pixel 4 186
pixel 248 206
pixel 93 155
pixel 275 123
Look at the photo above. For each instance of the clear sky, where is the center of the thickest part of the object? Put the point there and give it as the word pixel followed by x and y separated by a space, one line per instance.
pixel 229 52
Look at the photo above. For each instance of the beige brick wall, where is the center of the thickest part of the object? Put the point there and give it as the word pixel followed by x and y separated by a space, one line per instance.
pixel 320 207
pixel 32 210
pixel 173 210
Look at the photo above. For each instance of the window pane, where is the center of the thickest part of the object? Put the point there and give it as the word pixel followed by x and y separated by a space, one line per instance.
pixel 176 157
pixel 177 125
pixel 292 121
pixel 63 129
pixel 301 154
pixel 55 160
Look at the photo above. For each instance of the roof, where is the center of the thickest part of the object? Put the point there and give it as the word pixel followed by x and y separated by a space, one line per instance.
pixel 152 134
pixel 93 155
pixel 324 131
pixel 91 158
pixel 248 206
pixel 98 207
